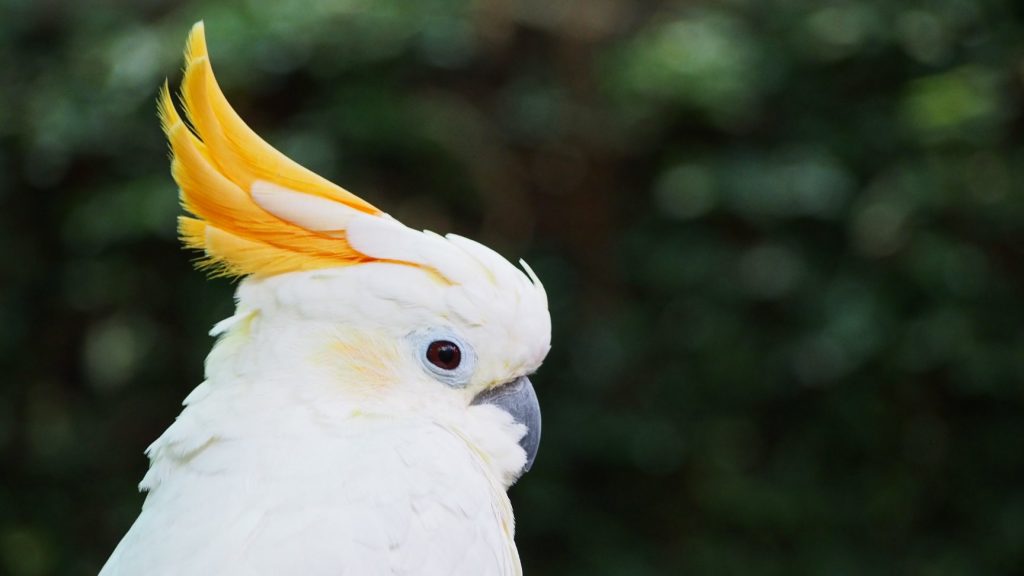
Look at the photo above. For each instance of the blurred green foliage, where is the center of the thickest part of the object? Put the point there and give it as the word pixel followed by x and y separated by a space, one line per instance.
pixel 783 241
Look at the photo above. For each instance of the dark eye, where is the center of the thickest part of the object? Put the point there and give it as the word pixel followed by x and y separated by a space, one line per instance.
pixel 444 354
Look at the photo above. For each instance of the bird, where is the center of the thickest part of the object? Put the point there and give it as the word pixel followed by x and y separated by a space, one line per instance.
pixel 367 405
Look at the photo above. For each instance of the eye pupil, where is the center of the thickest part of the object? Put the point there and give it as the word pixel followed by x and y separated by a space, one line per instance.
pixel 444 354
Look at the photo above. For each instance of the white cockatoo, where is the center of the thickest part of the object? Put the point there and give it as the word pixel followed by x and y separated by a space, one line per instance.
pixel 366 407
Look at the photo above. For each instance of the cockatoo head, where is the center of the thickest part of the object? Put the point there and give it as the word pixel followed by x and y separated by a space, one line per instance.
pixel 343 311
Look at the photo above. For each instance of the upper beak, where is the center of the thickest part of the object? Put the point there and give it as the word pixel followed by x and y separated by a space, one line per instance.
pixel 520 400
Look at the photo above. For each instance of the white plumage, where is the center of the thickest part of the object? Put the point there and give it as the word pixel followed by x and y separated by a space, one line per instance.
pixel 319 445
pixel 326 440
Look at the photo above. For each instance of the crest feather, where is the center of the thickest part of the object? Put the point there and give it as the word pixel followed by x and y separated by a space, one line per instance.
pixel 220 162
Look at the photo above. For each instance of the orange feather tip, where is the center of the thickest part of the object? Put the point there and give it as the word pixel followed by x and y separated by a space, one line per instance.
pixel 218 161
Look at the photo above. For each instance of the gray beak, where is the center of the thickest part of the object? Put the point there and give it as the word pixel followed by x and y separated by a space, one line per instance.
pixel 518 399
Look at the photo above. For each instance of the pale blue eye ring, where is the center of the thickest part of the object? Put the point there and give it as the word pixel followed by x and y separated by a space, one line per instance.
pixel 427 343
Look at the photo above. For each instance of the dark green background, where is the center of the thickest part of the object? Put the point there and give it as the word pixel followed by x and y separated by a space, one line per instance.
pixel 783 242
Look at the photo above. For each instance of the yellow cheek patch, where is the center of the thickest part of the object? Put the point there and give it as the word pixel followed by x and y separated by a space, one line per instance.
pixel 216 163
pixel 362 363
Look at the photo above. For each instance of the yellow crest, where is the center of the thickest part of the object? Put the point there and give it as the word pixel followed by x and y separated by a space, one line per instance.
pixel 220 163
